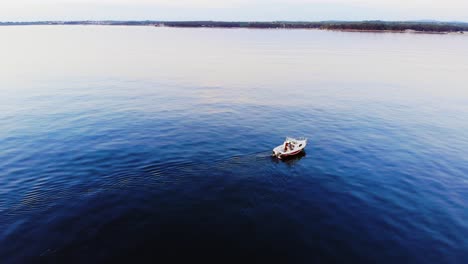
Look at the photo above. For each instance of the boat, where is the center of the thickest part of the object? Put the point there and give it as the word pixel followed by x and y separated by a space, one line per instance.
pixel 290 147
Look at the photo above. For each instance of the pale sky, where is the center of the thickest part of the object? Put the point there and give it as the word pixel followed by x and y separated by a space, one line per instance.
pixel 232 10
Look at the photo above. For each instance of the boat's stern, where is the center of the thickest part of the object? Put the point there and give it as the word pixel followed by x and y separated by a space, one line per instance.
pixel 277 152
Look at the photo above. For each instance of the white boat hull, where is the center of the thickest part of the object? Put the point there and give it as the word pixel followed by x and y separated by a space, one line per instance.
pixel 295 147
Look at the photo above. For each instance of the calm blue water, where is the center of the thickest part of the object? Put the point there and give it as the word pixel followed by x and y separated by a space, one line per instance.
pixel 144 143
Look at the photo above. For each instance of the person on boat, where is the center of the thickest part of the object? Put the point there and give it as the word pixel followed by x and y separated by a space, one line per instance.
pixel 286 145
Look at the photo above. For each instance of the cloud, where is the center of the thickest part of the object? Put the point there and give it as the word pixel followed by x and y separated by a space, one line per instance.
pixel 161 3
pixel 399 4
pixel 17 10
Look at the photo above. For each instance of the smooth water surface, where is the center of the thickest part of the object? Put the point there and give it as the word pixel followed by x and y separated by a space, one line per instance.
pixel 145 143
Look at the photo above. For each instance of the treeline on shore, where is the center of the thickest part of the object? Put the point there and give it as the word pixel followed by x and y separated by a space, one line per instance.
pixel 330 25
pixel 365 25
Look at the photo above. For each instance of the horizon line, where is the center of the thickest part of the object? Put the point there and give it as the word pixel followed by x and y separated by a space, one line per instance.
pixel 246 21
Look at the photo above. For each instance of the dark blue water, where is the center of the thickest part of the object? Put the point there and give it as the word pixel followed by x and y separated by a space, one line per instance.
pixel 158 148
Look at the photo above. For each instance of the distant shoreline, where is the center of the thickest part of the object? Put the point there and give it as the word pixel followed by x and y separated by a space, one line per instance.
pixel 345 26
pixel 399 31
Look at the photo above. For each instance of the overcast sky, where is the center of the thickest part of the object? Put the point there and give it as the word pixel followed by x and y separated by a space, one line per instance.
pixel 310 10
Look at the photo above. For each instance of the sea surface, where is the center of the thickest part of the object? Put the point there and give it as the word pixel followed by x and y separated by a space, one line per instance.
pixel 153 144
